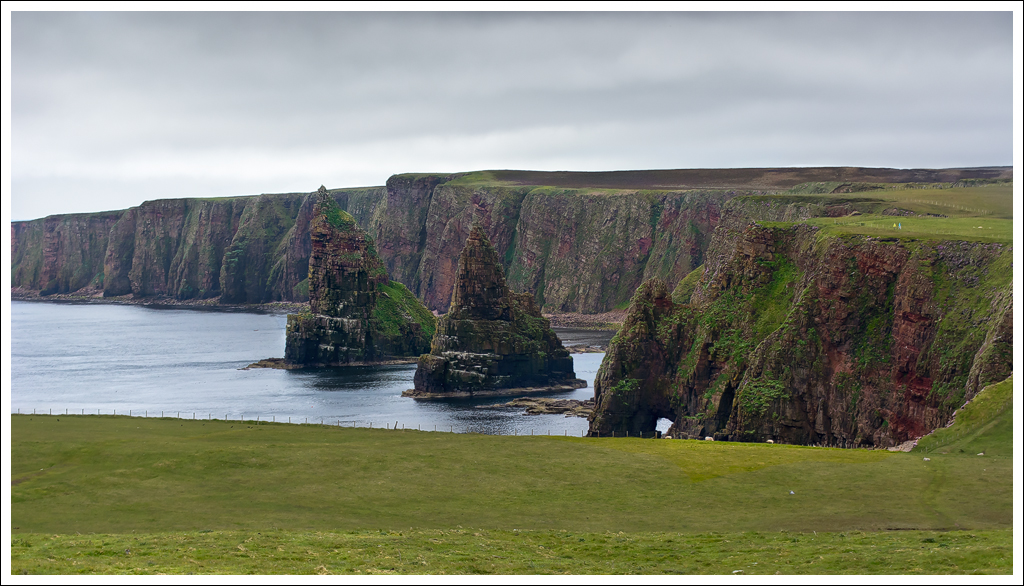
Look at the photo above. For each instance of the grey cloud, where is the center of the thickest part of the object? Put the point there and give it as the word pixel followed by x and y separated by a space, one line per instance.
pixel 95 89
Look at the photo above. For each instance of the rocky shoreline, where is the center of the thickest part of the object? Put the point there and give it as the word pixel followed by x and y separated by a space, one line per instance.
pixel 282 364
pixel 547 406
pixel 95 296
pixel 610 320
pixel 493 392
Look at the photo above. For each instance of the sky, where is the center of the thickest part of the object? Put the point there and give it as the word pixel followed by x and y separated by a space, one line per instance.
pixel 109 109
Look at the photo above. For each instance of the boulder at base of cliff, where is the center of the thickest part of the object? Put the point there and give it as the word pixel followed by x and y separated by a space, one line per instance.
pixel 492 341
pixel 357 315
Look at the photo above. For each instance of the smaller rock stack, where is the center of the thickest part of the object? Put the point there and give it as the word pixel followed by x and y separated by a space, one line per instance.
pixel 357 314
pixel 492 341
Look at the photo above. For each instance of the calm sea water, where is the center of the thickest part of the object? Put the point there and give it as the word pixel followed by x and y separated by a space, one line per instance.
pixel 178 362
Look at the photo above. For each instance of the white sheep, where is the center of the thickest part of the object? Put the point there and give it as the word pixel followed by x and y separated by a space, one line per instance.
pixel 771 441
pixel 709 438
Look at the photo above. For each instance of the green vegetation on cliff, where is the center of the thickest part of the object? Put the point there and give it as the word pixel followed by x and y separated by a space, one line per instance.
pixel 396 306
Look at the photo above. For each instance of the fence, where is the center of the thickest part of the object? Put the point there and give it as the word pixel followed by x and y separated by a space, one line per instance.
pixel 324 421
pixel 397 426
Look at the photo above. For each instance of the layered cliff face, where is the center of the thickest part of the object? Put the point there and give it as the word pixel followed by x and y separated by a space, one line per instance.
pixel 577 241
pixel 492 341
pixel 356 313
pixel 60 254
pixel 798 337
pixel 579 250
pixel 238 249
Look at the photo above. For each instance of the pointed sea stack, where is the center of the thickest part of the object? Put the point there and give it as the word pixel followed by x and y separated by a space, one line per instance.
pixel 492 341
pixel 357 315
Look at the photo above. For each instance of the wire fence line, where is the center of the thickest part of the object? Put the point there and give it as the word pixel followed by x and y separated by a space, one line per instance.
pixel 295 420
pixel 396 426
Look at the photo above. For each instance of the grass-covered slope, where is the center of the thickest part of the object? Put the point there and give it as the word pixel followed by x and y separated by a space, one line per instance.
pixel 133 495
pixel 396 307
pixel 983 426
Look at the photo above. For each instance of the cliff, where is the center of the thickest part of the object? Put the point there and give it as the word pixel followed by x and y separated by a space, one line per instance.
pixel 796 334
pixel 578 242
pixel 236 249
pixel 492 341
pixel 356 313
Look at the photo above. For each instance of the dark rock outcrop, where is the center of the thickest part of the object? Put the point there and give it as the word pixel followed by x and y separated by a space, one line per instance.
pixel 357 314
pixel 791 335
pixel 492 341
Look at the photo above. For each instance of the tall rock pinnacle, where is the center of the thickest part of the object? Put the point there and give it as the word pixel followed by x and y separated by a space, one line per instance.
pixel 492 341
pixel 356 313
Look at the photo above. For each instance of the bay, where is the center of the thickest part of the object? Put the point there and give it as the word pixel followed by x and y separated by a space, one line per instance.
pixel 152 361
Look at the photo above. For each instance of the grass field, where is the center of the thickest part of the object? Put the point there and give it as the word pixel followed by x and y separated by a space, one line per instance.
pixel 995 200
pixel 487 551
pixel 971 229
pixel 103 494
pixel 981 214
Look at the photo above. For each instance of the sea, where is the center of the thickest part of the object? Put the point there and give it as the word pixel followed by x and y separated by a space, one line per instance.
pixel 160 361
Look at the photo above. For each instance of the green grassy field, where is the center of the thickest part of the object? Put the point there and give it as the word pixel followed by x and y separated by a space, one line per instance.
pixel 977 229
pixel 995 200
pixel 103 494
pixel 488 551
pixel 982 214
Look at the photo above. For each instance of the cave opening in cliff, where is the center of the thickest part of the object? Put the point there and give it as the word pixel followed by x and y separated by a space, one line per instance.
pixel 725 407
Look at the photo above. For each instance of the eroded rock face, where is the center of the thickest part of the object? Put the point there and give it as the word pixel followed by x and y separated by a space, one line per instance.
pixel 356 313
pixel 799 338
pixel 492 341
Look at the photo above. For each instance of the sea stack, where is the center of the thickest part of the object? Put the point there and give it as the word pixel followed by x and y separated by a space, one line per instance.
pixel 356 314
pixel 492 341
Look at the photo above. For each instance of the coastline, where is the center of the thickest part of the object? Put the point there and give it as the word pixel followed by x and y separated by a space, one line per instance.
pixel 608 321
pixel 95 296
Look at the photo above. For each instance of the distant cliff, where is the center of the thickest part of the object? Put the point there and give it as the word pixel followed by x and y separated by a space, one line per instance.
pixel 238 249
pixel 576 241
pixel 575 249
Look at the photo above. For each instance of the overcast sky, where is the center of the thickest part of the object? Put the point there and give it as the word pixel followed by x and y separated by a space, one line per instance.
pixel 111 109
